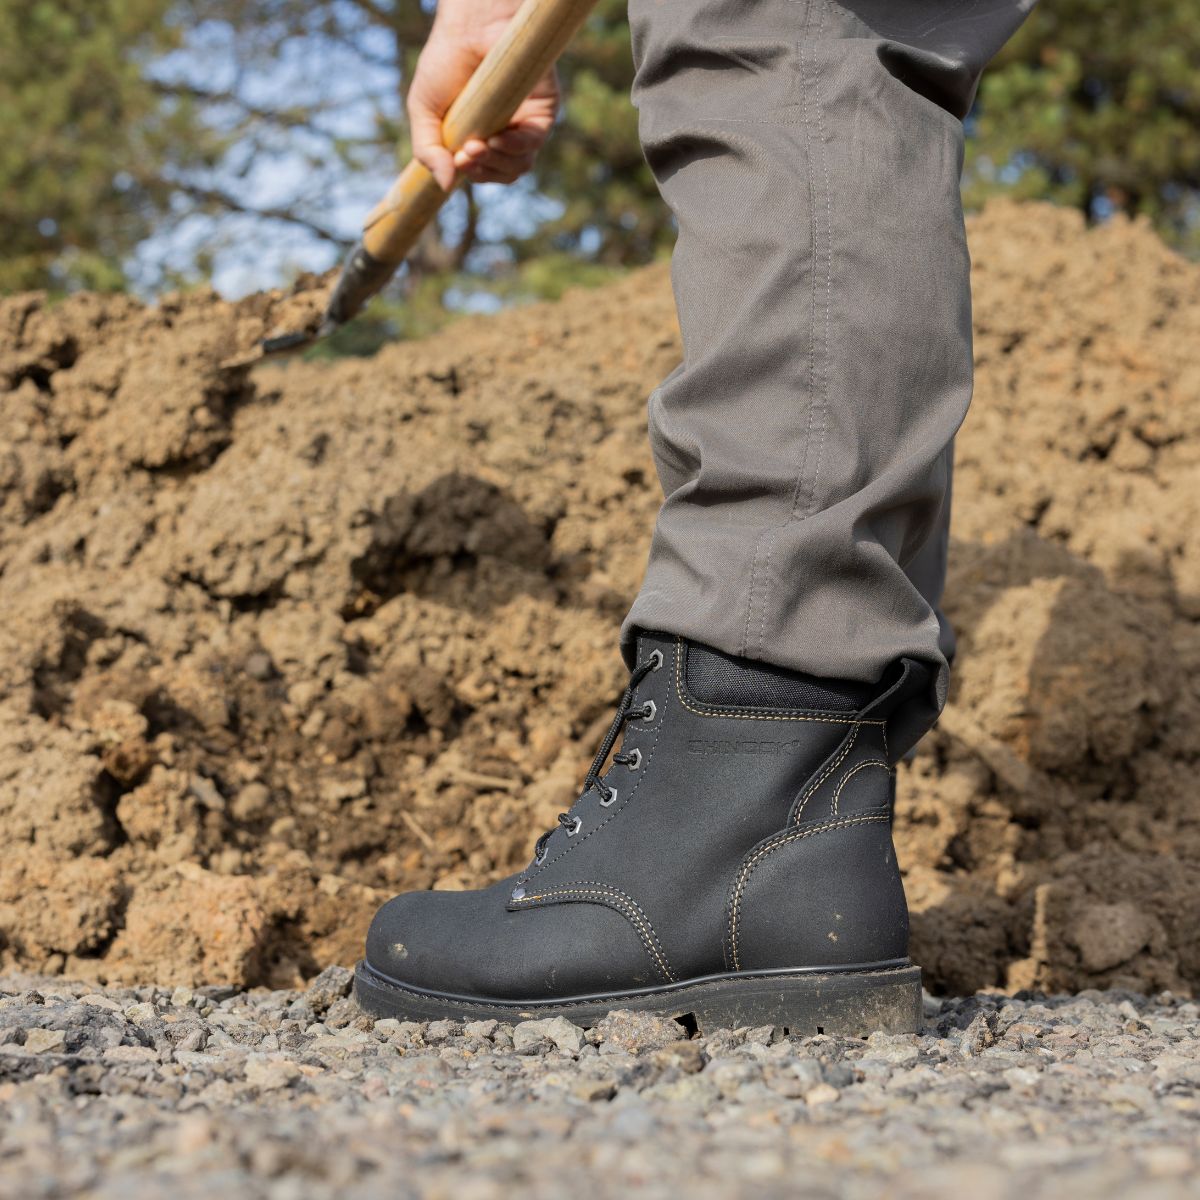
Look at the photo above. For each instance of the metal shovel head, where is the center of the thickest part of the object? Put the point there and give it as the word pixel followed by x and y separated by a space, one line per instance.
pixel 286 342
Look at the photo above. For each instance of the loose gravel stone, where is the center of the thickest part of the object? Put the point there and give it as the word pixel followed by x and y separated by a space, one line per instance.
pixel 530 1035
pixel 634 1032
pixel 139 1093
pixel 271 1073
pixel 333 984
pixel 37 1041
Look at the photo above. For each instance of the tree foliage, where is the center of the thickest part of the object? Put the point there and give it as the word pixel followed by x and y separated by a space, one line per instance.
pixel 593 168
pixel 89 148
pixel 1096 104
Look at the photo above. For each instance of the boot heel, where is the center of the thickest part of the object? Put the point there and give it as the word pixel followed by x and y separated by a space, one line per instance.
pixel 850 1004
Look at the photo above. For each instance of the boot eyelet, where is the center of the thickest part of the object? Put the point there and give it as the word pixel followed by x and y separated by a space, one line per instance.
pixel 649 710
pixel 635 760
pixel 656 658
pixel 518 893
pixel 575 827
pixel 539 859
pixel 610 799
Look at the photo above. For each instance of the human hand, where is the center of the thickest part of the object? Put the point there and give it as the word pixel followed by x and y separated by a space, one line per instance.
pixel 463 32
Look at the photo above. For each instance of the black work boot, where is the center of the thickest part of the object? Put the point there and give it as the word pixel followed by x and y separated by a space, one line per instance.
pixel 734 863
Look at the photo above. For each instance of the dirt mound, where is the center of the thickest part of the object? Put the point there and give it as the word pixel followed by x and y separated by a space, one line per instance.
pixel 279 644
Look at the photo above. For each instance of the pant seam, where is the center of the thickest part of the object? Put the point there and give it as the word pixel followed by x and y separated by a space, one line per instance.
pixel 822 144
pixel 762 622
pixel 819 197
pixel 750 595
pixel 812 234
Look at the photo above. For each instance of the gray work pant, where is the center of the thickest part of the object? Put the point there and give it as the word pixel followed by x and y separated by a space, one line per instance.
pixel 811 153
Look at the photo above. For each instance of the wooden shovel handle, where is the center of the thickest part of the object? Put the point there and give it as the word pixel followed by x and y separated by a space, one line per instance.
pixel 536 36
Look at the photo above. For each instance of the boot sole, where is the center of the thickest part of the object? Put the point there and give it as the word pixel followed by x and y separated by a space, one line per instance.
pixel 850 1001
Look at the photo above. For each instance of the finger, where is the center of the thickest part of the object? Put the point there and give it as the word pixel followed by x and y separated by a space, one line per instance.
pixel 513 165
pixel 440 163
pixel 470 152
pixel 427 145
pixel 497 160
pixel 517 140
pixel 483 174
pixel 510 166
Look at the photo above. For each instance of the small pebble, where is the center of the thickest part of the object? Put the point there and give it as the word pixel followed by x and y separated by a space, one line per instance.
pixel 268 1074
pixel 821 1094
pixel 557 1030
pixel 141 1014
pixel 131 1054
pixel 332 985
pixel 39 1041
pixel 95 1000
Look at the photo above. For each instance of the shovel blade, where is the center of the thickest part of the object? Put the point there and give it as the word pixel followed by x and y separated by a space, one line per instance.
pixel 285 343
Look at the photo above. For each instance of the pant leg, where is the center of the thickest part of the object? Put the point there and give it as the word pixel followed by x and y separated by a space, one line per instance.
pixel 811 153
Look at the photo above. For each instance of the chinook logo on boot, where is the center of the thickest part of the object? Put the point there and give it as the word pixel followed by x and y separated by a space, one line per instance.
pixel 746 746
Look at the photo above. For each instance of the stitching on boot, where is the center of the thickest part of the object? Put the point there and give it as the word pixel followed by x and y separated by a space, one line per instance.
pixel 813 787
pixel 611 900
pixel 628 796
pixel 737 714
pixel 616 899
pixel 752 864
pixel 854 770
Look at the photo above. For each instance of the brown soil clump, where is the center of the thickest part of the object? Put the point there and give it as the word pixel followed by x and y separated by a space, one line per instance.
pixel 278 644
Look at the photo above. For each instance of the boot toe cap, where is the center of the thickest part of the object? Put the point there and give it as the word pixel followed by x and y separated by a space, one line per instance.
pixel 404 943
pixel 468 944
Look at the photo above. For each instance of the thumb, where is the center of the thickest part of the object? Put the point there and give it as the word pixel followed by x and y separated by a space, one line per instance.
pixel 425 124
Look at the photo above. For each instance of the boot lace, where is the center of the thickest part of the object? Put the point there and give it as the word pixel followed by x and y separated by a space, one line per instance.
pixel 625 712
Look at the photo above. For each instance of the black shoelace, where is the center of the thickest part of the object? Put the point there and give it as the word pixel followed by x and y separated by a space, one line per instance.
pixel 624 712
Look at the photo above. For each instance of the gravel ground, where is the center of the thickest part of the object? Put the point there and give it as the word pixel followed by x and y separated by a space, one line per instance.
pixel 147 1092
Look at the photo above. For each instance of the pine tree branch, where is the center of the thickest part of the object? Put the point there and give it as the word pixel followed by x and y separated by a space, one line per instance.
pixel 407 32
pixel 293 119
pixel 232 204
